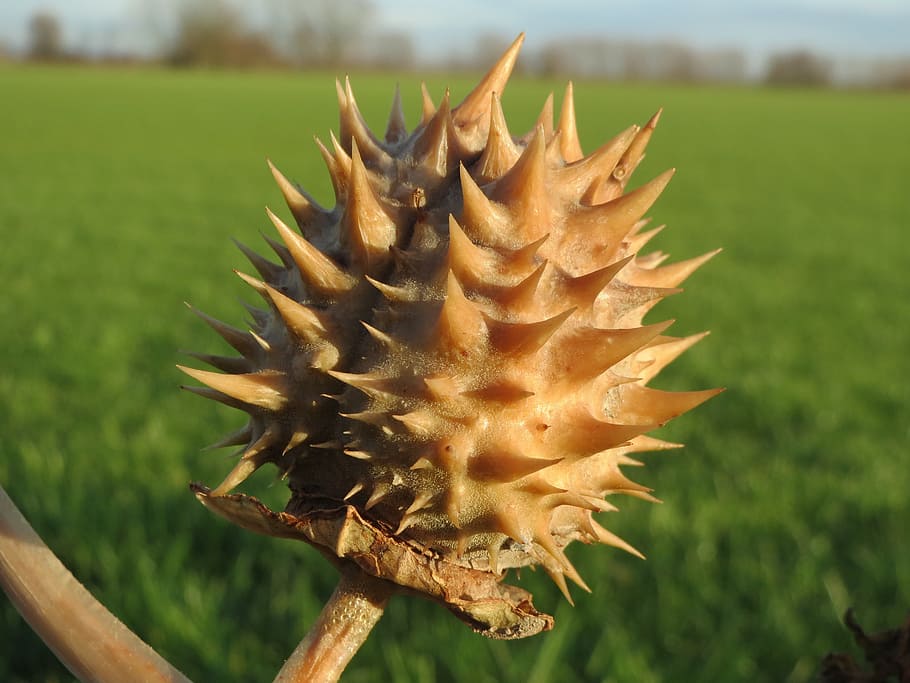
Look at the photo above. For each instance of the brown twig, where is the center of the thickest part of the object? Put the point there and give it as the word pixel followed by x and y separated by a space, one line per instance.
pixel 90 641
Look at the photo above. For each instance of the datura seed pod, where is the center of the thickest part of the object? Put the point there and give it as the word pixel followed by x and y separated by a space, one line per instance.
pixel 450 366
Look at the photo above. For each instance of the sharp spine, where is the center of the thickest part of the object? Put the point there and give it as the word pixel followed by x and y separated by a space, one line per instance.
pixel 317 269
pixel 474 106
pixel 241 340
pixel 524 338
pixel 569 144
pixel 396 130
pixel 264 389
pixel 500 152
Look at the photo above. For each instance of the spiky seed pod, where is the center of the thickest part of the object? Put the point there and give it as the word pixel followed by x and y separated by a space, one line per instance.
pixel 455 352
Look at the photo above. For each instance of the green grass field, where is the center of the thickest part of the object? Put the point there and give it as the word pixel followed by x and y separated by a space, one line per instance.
pixel 119 193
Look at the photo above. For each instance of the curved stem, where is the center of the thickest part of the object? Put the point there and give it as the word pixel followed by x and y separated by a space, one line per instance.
pixel 90 641
pixel 342 627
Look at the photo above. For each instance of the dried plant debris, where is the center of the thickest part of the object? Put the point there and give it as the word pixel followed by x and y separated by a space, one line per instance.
pixel 887 655
pixel 478 598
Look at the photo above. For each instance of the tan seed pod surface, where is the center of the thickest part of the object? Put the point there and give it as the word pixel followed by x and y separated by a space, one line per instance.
pixel 456 348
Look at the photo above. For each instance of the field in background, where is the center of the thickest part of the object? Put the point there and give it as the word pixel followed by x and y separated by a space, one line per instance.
pixel 119 193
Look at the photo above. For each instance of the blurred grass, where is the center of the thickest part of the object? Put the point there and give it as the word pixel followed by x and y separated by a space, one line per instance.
pixel 119 192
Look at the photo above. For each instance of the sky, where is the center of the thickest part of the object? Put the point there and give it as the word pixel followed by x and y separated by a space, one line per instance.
pixel 837 28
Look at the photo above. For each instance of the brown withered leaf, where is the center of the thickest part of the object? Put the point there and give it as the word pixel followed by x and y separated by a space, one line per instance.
pixel 490 607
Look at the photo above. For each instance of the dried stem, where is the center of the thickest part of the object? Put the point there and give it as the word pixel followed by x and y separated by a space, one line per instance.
pixel 343 626
pixel 90 641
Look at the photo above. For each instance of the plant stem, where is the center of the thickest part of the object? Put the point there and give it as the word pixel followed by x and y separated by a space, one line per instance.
pixel 90 641
pixel 342 627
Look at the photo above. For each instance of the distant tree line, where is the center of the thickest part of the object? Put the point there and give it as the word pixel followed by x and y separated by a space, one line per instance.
pixel 632 60
pixel 342 33
pixel 315 33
